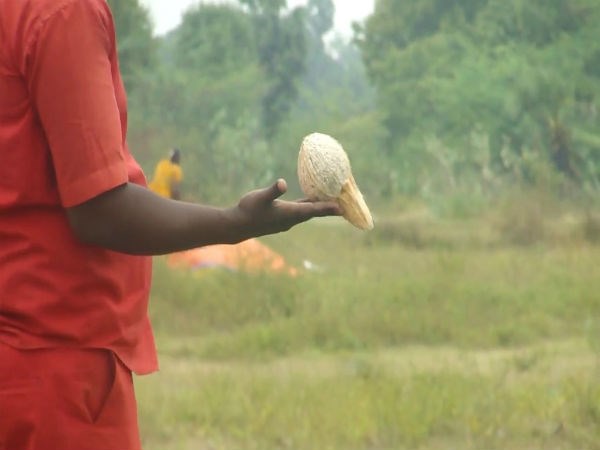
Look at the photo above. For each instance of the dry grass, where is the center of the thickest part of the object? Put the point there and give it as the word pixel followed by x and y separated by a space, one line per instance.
pixel 424 334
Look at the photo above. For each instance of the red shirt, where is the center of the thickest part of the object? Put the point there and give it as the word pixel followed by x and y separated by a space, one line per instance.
pixel 63 122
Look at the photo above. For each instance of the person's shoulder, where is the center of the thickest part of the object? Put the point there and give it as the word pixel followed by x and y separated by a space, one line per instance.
pixel 163 165
pixel 26 17
pixel 40 10
pixel 21 21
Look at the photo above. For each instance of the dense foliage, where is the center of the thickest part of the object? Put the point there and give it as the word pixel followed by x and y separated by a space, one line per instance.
pixel 489 85
pixel 429 97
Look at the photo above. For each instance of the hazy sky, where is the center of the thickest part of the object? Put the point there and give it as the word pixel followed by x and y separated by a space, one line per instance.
pixel 166 14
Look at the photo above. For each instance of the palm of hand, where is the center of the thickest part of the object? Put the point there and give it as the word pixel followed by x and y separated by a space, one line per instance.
pixel 267 214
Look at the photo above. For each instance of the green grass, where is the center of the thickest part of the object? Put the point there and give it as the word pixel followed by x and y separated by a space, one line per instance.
pixel 538 398
pixel 453 335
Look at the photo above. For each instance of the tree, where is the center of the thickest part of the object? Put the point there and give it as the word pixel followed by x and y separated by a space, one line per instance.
pixel 319 20
pixel 136 45
pixel 513 71
pixel 215 40
pixel 281 42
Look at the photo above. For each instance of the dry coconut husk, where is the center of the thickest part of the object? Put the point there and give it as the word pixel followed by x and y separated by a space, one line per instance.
pixel 325 173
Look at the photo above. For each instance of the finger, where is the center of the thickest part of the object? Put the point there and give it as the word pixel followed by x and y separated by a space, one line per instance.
pixel 273 192
pixel 312 200
pixel 306 211
pixel 281 186
pixel 322 209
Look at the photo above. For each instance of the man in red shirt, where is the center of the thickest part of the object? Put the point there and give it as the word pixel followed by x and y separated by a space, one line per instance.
pixel 75 223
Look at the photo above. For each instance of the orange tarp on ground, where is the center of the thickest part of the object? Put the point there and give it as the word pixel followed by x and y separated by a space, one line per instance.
pixel 249 256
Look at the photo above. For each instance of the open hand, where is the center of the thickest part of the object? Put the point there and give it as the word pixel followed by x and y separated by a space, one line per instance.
pixel 262 212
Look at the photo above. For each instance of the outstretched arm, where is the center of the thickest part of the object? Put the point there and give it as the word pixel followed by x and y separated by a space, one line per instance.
pixel 70 74
pixel 132 219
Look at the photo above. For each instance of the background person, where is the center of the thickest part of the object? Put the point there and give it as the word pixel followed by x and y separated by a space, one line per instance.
pixel 168 175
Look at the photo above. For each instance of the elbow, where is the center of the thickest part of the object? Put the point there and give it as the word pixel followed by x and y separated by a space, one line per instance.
pixel 94 222
pixel 88 232
pixel 99 233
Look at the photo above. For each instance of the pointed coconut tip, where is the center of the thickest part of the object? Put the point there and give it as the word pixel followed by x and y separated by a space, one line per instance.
pixel 354 207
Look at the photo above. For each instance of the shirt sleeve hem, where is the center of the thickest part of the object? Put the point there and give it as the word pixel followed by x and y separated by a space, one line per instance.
pixel 94 184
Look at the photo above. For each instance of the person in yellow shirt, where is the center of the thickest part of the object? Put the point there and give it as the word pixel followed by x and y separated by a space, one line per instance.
pixel 167 176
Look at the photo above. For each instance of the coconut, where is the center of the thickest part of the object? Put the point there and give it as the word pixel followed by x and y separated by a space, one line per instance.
pixel 325 174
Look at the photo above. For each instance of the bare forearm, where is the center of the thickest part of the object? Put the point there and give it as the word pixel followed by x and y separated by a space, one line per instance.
pixel 133 220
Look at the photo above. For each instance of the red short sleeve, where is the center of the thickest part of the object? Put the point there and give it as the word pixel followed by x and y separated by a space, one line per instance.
pixel 69 74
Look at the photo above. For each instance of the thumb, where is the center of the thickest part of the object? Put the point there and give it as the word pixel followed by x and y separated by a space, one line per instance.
pixel 275 191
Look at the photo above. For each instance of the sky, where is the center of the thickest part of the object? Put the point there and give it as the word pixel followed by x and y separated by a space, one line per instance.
pixel 166 14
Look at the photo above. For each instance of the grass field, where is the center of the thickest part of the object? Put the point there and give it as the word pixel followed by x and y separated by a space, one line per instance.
pixel 424 334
